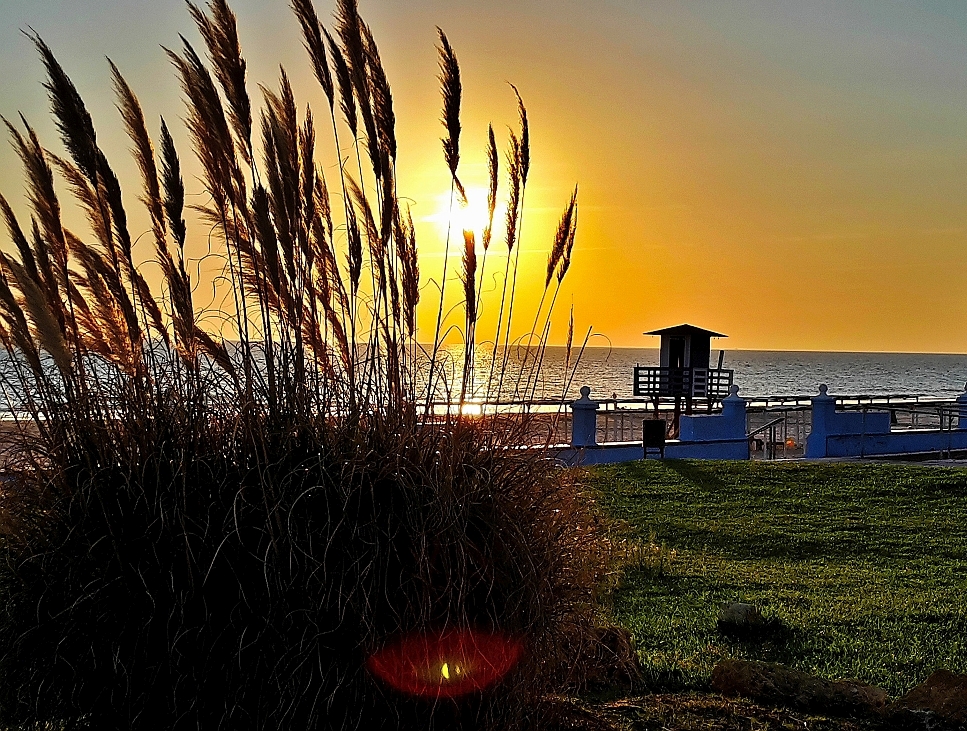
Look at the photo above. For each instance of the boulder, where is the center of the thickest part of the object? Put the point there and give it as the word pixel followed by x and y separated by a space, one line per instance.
pixel 938 702
pixel 745 622
pixel 778 685
pixel 736 615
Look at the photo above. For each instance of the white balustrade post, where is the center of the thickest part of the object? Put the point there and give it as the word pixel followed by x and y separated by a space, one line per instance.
pixel 733 409
pixel 823 412
pixel 584 420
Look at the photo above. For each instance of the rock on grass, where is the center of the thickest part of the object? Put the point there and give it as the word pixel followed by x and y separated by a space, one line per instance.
pixel 940 702
pixel 778 685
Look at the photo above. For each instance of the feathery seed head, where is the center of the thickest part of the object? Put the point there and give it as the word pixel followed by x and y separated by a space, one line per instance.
pixel 452 91
pixel 525 137
pixel 315 45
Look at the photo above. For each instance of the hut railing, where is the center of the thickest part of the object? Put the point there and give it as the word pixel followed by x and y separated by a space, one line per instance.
pixel 699 383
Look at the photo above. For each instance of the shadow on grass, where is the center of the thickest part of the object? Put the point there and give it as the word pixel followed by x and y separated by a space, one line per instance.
pixel 775 642
pixel 646 581
pixel 696 473
pixel 770 545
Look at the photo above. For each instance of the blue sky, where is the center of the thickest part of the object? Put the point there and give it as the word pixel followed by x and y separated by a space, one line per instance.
pixel 792 172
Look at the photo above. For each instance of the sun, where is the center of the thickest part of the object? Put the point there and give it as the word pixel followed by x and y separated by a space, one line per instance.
pixel 473 216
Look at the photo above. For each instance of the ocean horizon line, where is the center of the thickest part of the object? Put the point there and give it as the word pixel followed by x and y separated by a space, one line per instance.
pixel 730 350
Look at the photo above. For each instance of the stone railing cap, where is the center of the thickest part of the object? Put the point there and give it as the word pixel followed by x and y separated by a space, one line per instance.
pixel 823 393
pixel 585 399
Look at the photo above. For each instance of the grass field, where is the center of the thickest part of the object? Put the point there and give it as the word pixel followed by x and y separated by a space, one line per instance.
pixel 865 565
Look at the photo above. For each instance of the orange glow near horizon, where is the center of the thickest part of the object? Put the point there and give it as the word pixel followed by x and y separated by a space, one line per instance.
pixel 790 177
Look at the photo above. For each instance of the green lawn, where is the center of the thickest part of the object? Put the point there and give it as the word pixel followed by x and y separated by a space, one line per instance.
pixel 864 565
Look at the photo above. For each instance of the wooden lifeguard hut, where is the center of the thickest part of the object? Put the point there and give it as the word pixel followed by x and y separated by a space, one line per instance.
pixel 684 370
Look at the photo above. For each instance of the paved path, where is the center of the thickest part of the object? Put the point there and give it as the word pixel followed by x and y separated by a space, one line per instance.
pixel 949 463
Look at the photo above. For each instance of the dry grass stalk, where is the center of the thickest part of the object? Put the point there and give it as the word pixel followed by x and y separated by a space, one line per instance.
pixel 382 98
pixel 410 271
pixel 347 102
pixel 352 32
pixel 563 238
pixel 559 259
pixel 521 151
pixel 220 32
pixel 514 201
pixel 315 45
pixel 469 279
pixel 452 90
pixel 525 137
pixel 493 168
pixel 257 500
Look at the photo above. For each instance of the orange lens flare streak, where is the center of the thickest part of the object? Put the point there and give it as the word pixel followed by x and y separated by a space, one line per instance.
pixel 445 665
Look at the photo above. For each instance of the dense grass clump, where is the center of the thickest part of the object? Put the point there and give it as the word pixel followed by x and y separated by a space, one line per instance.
pixel 222 528
pixel 199 577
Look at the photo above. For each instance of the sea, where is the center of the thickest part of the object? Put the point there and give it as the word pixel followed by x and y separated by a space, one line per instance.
pixel 608 372
pixel 760 373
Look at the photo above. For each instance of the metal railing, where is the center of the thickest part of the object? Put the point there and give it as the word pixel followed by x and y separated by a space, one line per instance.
pixel 620 419
pixel 624 425
pixel 770 446
pixel 939 415
pixel 787 438
pixel 907 413
pixel 698 383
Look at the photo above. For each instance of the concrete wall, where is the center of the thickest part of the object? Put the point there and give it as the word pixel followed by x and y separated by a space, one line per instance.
pixel 701 436
pixel 901 442
pixel 858 434
pixel 674 449
pixel 723 436
pixel 827 422
pixel 727 426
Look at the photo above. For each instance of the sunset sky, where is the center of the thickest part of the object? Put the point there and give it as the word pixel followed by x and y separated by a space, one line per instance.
pixel 792 173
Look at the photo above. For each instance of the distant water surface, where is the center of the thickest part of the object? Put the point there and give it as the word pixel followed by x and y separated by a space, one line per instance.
pixel 609 371
pixel 771 373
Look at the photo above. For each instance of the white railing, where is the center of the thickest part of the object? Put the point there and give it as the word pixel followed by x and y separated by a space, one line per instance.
pixel 700 383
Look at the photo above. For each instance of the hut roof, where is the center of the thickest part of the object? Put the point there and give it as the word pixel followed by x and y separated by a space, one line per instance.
pixel 686 329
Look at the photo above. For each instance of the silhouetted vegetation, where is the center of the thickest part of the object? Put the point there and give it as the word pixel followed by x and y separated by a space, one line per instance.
pixel 214 519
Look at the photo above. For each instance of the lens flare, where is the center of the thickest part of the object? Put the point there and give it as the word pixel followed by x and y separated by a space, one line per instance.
pixel 445 665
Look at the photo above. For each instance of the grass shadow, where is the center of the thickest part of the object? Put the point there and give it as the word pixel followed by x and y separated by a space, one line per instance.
pixel 699 474
pixel 773 642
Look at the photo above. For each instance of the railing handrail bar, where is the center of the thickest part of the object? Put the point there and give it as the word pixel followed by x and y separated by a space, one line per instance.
pixel 922 408
pixel 872 401
pixel 766 426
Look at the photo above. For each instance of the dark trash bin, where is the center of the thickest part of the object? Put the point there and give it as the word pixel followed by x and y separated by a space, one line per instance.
pixel 653 436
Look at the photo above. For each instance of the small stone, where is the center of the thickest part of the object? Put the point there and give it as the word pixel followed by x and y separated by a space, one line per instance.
pixel 745 622
pixel 938 702
pixel 778 685
pixel 739 615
